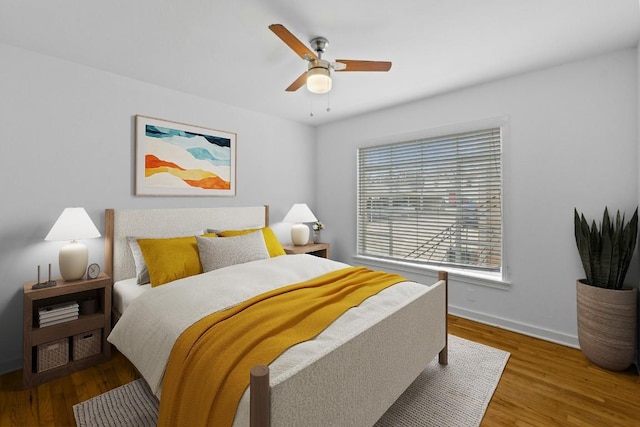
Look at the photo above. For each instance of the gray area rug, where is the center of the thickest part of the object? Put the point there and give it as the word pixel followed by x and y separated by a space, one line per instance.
pixel 455 395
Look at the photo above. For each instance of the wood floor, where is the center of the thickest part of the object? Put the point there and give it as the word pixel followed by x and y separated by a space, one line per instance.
pixel 543 384
pixel 546 384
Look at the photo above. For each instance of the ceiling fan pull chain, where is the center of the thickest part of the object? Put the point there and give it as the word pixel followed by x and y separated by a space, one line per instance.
pixel 311 107
pixel 328 102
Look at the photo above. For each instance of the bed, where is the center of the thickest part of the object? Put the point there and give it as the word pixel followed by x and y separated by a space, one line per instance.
pixel 350 374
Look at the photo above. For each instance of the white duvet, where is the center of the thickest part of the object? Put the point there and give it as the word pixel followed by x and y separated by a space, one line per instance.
pixel 148 328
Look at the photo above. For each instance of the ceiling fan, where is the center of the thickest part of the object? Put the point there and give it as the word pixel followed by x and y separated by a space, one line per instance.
pixel 318 75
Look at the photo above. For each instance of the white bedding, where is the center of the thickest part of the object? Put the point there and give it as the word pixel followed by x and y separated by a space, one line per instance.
pixel 153 321
pixel 125 291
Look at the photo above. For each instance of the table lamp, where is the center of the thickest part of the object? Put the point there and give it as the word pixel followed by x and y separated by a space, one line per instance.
pixel 299 214
pixel 73 224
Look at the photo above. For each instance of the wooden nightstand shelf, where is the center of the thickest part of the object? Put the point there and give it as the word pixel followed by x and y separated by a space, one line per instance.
pixel 34 336
pixel 317 249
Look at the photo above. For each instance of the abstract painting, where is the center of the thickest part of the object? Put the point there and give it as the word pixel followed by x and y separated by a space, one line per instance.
pixel 176 159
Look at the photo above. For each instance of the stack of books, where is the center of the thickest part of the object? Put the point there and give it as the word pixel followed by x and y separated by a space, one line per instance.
pixel 59 313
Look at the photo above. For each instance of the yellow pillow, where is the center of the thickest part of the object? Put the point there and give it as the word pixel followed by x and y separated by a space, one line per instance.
pixel 171 258
pixel 270 240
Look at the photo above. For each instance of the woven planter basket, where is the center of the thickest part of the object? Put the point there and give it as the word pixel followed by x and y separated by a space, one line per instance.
pixel 607 325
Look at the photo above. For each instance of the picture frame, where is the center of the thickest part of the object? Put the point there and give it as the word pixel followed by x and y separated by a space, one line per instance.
pixel 178 159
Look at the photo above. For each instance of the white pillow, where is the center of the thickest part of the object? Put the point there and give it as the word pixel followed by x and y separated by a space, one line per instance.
pixel 223 252
pixel 142 273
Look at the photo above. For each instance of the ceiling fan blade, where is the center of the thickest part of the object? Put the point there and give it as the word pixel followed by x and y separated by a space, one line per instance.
pixel 298 47
pixel 352 65
pixel 300 81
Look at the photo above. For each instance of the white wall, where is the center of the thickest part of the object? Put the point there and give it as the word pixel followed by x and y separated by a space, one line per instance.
pixel 572 142
pixel 68 140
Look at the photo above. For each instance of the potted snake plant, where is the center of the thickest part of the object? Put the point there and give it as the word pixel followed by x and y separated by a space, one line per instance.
pixel 607 308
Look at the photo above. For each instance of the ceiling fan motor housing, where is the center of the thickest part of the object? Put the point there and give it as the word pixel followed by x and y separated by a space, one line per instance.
pixel 319 63
pixel 319 44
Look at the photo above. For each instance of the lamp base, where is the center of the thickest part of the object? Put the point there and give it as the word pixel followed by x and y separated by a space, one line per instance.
pixel 73 259
pixel 299 234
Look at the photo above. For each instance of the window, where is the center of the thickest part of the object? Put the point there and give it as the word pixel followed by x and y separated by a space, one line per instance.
pixel 435 201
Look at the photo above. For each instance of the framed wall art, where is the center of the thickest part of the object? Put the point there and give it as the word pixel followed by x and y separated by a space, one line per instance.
pixel 176 159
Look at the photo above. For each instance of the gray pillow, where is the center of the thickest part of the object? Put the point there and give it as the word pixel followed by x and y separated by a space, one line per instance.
pixel 225 251
pixel 142 274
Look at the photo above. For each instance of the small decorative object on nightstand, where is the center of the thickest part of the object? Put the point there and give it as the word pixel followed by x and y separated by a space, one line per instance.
pixel 75 338
pixel 49 283
pixel 317 227
pixel 318 249
pixel 93 271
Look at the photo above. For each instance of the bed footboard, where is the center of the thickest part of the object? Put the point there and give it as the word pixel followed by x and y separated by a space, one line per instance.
pixel 261 408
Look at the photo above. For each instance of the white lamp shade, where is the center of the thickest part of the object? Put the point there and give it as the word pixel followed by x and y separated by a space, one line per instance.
pixel 73 224
pixel 298 214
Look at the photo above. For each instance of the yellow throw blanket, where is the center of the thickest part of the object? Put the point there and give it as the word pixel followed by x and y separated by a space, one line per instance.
pixel 208 370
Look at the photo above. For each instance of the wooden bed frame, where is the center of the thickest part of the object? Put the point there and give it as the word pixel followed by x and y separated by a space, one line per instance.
pixel 372 377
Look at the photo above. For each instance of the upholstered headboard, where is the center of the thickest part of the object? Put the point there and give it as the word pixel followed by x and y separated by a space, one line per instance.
pixel 122 223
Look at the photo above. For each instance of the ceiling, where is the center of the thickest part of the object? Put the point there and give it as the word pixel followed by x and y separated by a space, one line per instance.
pixel 223 50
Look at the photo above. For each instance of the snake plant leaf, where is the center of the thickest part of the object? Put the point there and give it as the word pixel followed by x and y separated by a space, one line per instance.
pixel 607 259
pixel 614 234
pixel 606 223
pixel 595 254
pixel 630 239
pixel 581 234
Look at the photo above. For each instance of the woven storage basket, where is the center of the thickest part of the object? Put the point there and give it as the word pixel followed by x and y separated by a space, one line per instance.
pixel 87 344
pixel 53 354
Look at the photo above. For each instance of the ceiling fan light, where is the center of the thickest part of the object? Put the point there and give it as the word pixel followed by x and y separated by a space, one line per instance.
pixel 318 80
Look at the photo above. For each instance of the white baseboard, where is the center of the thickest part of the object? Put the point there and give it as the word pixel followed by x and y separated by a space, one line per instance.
pixel 522 328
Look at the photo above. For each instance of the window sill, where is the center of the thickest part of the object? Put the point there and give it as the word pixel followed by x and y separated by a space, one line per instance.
pixel 472 278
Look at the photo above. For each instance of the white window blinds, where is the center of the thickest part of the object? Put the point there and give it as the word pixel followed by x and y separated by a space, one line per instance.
pixel 435 201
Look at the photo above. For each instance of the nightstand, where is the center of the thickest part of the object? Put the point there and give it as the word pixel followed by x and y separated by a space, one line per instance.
pixel 317 249
pixel 62 348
